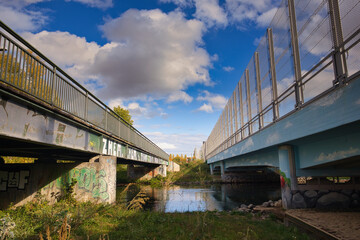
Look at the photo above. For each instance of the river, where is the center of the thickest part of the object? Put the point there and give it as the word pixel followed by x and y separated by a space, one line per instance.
pixel 221 197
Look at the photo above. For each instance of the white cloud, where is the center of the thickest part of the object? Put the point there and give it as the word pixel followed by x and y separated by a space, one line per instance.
pixel 209 12
pixel 149 110
pixel 157 53
pixel 216 101
pixel 183 143
pixel 245 11
pixel 179 96
pixel 21 19
pixel 181 3
pixel 206 108
pixel 265 18
pixel 228 69
pixel 103 4
pixel 166 146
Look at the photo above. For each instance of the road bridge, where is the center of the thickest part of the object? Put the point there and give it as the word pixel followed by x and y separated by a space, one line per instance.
pixel 296 108
pixel 47 115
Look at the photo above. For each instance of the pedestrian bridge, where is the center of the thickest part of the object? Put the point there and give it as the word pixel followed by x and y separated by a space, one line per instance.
pixel 47 115
pixel 296 108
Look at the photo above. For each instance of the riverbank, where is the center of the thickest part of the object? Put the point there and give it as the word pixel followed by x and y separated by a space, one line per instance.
pixel 65 220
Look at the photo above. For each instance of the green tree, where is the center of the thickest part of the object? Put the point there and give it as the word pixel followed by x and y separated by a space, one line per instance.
pixel 124 113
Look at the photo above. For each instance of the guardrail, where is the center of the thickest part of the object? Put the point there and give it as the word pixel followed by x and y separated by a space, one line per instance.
pixel 27 69
pixel 309 49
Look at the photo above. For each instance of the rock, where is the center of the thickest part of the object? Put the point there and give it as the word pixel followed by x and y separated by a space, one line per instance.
pixel 354 203
pixel 278 203
pixel 322 192
pixel 243 206
pixel 272 204
pixel 333 200
pixel 355 196
pixel 298 201
pixel 347 192
pixel 310 194
pixel 265 204
pixel 270 201
pixel 251 206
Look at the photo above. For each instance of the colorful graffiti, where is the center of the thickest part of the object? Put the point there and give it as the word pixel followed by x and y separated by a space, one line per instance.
pixel 88 179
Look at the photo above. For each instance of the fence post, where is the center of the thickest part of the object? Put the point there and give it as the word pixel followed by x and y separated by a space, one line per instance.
pixel 258 88
pixel 248 100
pixel 299 96
pixel 273 74
pixel 339 61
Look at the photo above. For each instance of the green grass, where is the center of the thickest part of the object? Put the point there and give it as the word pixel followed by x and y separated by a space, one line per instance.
pixel 115 222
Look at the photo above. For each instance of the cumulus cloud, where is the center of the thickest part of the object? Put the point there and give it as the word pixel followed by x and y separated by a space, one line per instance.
pixel 209 12
pixel 181 3
pixel 179 96
pixel 177 143
pixel 228 69
pixel 20 19
pixel 206 108
pixel 215 101
pixel 103 4
pixel 157 53
pixel 244 11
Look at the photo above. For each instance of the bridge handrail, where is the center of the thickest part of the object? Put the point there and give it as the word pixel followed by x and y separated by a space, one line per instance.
pixel 296 57
pixel 37 61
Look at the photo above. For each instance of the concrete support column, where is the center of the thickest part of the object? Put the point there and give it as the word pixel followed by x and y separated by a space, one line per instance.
pixel 287 174
pixel 211 169
pixel 222 169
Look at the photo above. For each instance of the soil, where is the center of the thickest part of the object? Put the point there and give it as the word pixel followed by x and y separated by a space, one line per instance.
pixel 341 224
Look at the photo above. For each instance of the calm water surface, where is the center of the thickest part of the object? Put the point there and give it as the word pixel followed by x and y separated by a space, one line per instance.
pixel 203 198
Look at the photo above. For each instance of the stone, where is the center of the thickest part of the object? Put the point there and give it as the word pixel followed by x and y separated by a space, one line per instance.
pixel 272 204
pixel 265 204
pixel 355 196
pixel 322 192
pixel 333 200
pixel 298 201
pixel 347 192
pixel 243 206
pixel 354 204
pixel 310 194
pixel 251 206
pixel 278 203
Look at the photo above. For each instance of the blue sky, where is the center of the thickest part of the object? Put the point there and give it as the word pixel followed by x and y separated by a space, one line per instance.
pixel 172 63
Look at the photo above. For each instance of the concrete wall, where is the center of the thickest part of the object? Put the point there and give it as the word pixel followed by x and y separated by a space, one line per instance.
pixel 135 172
pixel 173 167
pixel 96 181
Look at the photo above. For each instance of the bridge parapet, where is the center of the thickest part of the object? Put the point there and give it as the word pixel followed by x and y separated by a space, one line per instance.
pixel 27 71
pixel 289 71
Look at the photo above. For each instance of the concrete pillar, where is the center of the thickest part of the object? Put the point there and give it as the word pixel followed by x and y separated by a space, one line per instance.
pixel 222 169
pixel 288 178
pixel 211 169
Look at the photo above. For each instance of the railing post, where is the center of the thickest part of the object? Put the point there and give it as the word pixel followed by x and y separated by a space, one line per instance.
pixel 52 86
pixel 248 100
pixel 273 74
pixel 241 110
pixel 299 96
pixel 258 88
pixel 86 106
pixel 339 61
pixel 236 113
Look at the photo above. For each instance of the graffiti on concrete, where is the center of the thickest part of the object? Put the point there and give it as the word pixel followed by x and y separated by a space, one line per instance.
pixel 13 179
pixel 88 179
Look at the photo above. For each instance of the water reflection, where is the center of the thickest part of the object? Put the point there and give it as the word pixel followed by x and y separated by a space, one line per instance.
pixel 212 197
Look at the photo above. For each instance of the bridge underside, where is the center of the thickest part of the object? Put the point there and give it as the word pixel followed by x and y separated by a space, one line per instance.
pixel 315 149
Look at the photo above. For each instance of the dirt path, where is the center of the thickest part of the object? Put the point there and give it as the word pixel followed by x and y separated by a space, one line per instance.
pixel 344 225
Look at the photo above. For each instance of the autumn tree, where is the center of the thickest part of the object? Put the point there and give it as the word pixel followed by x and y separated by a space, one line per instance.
pixel 124 114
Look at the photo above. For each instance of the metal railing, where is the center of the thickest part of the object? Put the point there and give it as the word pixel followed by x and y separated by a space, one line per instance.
pixel 28 70
pixel 310 48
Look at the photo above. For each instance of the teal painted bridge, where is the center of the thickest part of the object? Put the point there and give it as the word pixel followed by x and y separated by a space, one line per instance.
pixel 296 108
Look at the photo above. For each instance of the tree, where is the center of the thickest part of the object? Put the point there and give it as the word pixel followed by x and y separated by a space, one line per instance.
pixel 124 113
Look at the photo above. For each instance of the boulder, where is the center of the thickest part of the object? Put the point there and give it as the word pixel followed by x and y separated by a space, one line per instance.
pixel 251 206
pixel 310 194
pixel 265 204
pixel 333 200
pixel 243 206
pixel 355 196
pixel 347 192
pixel 278 203
pixel 298 201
